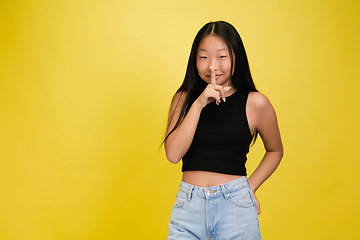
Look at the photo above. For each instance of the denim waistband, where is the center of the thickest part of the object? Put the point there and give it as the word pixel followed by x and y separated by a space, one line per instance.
pixel 214 191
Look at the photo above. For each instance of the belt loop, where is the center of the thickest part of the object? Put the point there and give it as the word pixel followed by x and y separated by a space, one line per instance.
pixel 189 193
pixel 226 195
pixel 247 181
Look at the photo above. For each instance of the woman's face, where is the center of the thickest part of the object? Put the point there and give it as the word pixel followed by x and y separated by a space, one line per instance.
pixel 213 52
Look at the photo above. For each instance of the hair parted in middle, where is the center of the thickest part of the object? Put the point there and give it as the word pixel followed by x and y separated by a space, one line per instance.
pixel 241 78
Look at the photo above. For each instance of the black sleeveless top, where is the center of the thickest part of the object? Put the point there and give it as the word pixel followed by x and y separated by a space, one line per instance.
pixel 222 138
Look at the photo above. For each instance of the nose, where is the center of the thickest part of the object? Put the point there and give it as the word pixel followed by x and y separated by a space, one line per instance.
pixel 214 64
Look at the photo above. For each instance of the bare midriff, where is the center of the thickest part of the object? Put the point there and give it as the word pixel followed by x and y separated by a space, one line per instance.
pixel 207 179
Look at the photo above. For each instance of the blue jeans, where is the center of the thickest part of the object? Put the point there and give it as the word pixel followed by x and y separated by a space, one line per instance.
pixel 226 211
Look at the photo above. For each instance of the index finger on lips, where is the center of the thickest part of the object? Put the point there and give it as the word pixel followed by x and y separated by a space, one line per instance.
pixel 212 76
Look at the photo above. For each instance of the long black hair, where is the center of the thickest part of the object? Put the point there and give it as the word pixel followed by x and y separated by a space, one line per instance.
pixel 241 79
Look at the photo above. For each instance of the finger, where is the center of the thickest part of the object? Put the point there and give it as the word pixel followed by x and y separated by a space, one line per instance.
pixel 217 98
pixel 258 207
pixel 226 89
pixel 218 101
pixel 222 94
pixel 212 76
pixel 221 91
pixel 211 94
pixel 216 95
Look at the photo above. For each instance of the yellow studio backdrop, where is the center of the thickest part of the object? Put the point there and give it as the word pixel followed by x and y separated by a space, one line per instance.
pixel 85 87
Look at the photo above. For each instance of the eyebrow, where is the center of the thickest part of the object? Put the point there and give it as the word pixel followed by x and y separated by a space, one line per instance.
pixel 220 49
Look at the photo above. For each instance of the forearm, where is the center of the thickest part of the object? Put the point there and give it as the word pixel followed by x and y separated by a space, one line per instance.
pixel 179 141
pixel 267 166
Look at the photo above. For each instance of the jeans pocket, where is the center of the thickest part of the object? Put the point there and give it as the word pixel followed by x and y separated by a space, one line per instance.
pixel 180 200
pixel 242 198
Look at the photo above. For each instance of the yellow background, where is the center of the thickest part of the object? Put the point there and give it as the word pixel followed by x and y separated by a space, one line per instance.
pixel 85 88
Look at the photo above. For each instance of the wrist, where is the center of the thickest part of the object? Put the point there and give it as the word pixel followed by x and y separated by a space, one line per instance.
pixel 252 188
pixel 197 104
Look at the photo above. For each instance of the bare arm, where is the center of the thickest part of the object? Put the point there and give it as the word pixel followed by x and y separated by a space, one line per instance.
pixel 179 141
pixel 266 125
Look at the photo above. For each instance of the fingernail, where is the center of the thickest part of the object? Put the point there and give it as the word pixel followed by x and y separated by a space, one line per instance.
pixel 224 99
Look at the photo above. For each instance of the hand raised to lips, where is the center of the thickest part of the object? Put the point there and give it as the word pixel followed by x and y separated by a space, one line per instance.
pixel 213 81
pixel 212 91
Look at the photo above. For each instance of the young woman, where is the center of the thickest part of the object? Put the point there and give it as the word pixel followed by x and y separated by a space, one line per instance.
pixel 214 116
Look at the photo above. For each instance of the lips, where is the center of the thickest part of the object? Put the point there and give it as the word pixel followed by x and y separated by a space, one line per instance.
pixel 216 76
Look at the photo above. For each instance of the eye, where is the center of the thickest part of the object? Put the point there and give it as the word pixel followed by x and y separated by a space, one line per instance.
pixel 222 57
pixel 203 57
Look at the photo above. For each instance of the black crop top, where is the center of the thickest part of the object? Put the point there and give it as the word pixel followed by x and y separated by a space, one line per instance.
pixel 222 138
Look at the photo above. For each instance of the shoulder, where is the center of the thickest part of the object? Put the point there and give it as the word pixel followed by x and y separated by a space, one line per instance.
pixel 258 101
pixel 260 106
